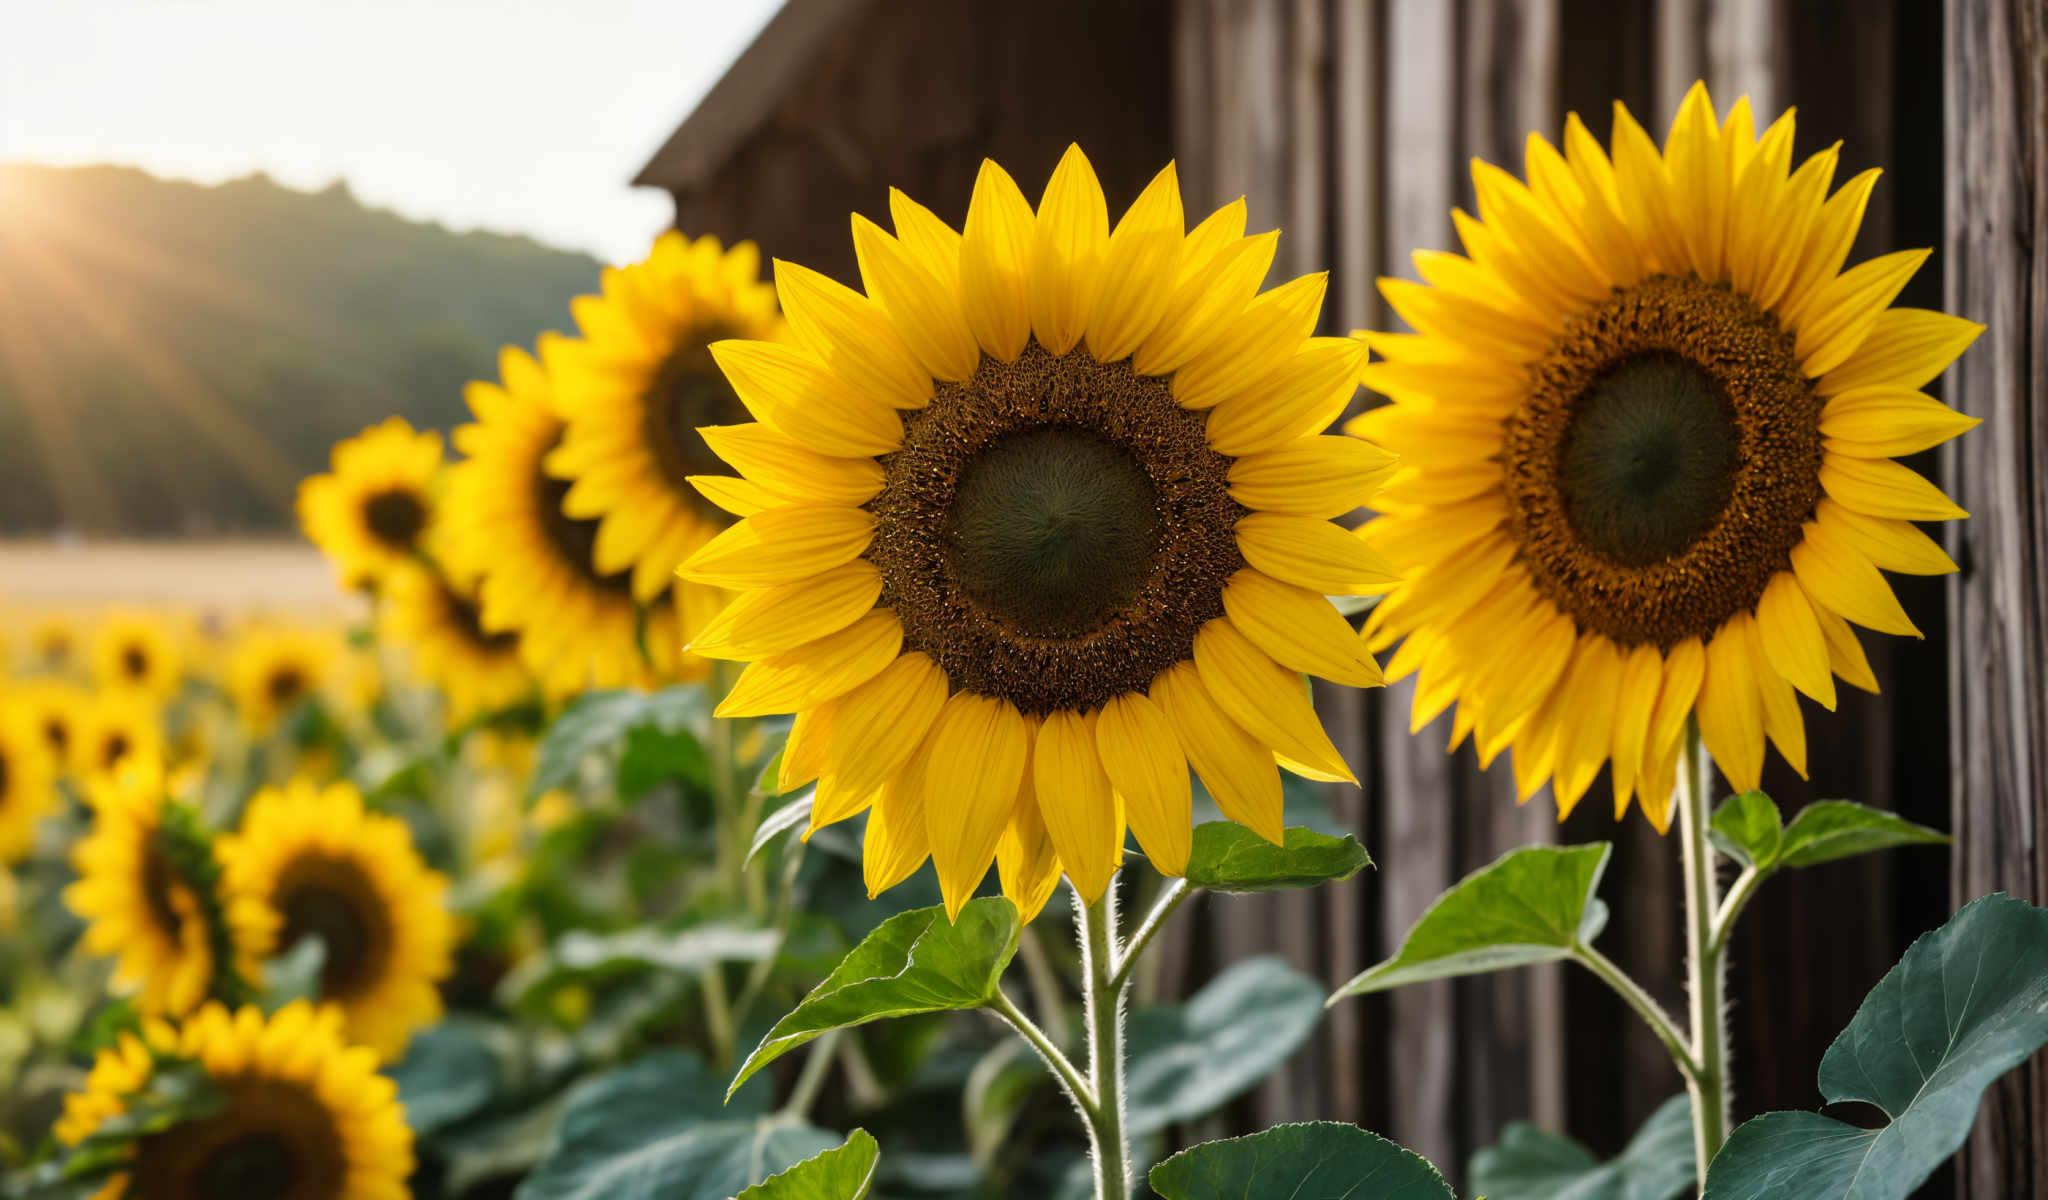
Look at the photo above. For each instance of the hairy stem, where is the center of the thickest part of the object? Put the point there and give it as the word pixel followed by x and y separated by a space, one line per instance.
pixel 1705 978
pixel 1644 1004
pixel 1170 899
pixel 1103 996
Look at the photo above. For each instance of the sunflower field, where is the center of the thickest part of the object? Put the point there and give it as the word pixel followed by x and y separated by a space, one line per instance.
pixel 780 722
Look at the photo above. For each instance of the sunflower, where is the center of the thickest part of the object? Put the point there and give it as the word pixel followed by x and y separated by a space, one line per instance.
pixel 578 626
pixel 138 891
pixel 303 1115
pixel 57 709
pixel 318 864
pixel 28 782
pixel 274 669
pixel 1036 524
pixel 116 729
pixel 137 652
pixel 477 670
pixel 54 642
pixel 636 387
pixel 371 512
pixel 1647 425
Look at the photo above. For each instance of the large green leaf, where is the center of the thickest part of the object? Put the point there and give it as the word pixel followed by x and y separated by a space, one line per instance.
pixel 1531 905
pixel 1830 829
pixel 1966 1004
pixel 656 1130
pixel 597 720
pixel 1321 1160
pixel 914 962
pixel 1188 1060
pixel 449 1072
pixel 1531 1164
pixel 1748 829
pixel 844 1172
pixel 1227 857
pixel 654 756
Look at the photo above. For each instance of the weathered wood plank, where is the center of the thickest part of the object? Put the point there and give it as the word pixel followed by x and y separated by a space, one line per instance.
pixel 1997 272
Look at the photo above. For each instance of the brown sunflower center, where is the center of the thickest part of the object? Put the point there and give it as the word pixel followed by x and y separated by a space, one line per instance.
pixel 159 878
pixel 271 1138
pixel 395 517
pixel 688 391
pixel 335 900
pixel 1668 452
pixel 574 539
pixel 469 619
pixel 3 776
pixel 57 734
pixel 285 685
pixel 134 662
pixel 113 750
pixel 1055 530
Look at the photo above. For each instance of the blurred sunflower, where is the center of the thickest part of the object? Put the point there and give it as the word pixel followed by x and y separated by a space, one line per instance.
pixel 371 512
pixel 53 640
pixel 274 669
pixel 477 670
pixel 136 891
pixel 137 652
pixel 302 1113
pixel 636 387
pixel 57 709
pixel 115 730
pixel 1037 523
pixel 319 865
pixel 1648 423
pixel 28 782
pixel 579 626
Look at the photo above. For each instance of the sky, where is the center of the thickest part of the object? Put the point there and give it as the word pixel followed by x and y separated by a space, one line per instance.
pixel 519 116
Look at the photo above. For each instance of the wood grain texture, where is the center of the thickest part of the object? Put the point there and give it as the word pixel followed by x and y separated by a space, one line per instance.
pixel 1997 260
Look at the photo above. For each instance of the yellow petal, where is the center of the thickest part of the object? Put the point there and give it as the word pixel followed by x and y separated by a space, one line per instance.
pixel 740 497
pixel 1142 757
pixel 1882 423
pixel 803 754
pixel 1267 700
pixel 1214 293
pixel 925 312
pixel 833 802
pixel 790 469
pixel 1234 766
pixel 1302 396
pixel 1587 737
pixel 1730 707
pixel 1883 488
pixel 995 260
pixel 1845 653
pixel 793 393
pixel 1826 245
pixel 1846 310
pixel 1796 206
pixel 1314 554
pixel 1082 813
pixel 1067 246
pixel 1684 667
pixel 974 756
pixel 816 671
pixel 883 721
pixel 1256 344
pixel 896 842
pixel 1025 857
pixel 931 243
pixel 1313 476
pixel 1791 638
pixel 1890 544
pixel 852 335
pixel 1300 629
pixel 780 545
pixel 1782 722
pixel 1642 677
pixel 1838 578
pixel 1906 349
pixel 1139 268
pixel 769 621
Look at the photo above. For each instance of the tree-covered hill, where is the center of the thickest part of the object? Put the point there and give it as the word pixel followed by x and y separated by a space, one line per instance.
pixel 174 357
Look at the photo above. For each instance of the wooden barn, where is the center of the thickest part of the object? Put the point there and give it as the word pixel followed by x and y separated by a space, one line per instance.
pixel 1349 125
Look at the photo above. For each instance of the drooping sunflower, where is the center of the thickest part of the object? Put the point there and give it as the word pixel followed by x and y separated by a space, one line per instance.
pixel 272 669
pixel 116 729
pixel 318 864
pixel 303 1114
pixel 28 781
pixel 1647 423
pixel 372 511
pixel 138 892
pixel 136 651
pixel 578 626
pixel 476 670
pixel 636 387
pixel 1037 523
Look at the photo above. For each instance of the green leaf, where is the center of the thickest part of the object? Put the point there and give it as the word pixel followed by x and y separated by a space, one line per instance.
pixel 1227 857
pixel 1830 829
pixel 655 1130
pixel 580 956
pixel 793 815
pixel 1532 905
pixel 1748 829
pixel 845 1172
pixel 597 720
pixel 449 1072
pixel 1189 1060
pixel 1966 1004
pixel 914 962
pixel 1531 1164
pixel 656 756
pixel 1321 1160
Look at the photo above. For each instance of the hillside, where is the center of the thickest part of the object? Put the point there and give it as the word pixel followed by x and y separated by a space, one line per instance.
pixel 174 357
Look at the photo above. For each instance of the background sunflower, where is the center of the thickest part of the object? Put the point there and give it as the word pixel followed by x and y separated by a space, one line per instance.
pixel 476 671
pixel 1647 424
pixel 134 651
pixel 28 781
pixel 272 669
pixel 372 511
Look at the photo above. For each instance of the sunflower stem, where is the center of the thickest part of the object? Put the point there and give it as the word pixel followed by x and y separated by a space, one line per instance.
pixel 1063 1068
pixel 1103 996
pixel 1176 892
pixel 1705 978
